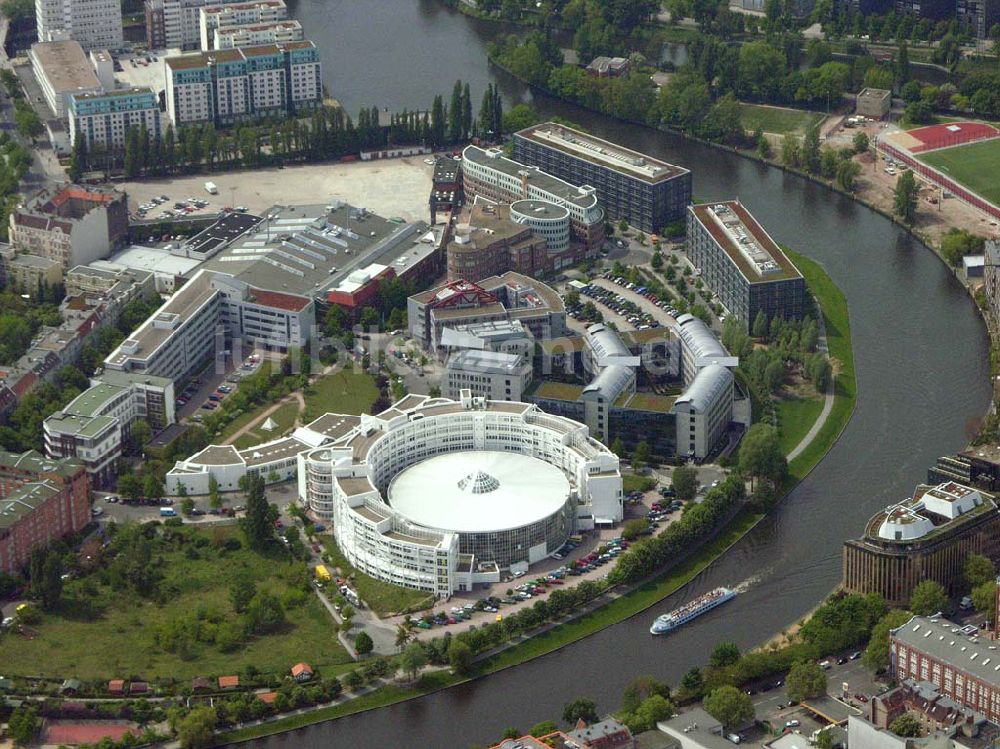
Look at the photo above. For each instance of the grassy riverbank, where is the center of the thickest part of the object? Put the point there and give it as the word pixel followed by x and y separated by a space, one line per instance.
pixel 651 592
pixel 836 318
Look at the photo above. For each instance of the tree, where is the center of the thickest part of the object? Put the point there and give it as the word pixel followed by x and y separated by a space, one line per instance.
pixel 519 117
pixel 152 486
pixel 197 729
pixel 902 64
pixel 582 708
pixel 214 500
pixel 978 570
pixel 861 142
pixel 459 657
pixel 759 327
pixel 187 506
pixel 760 455
pixel 693 682
pixel 685 482
pixel 257 524
pixel 23 725
pixel 929 597
pixel 241 592
pixel 805 680
pixel 876 655
pixel 984 596
pixel 724 654
pixel 455 114
pixel 905 202
pixel 640 457
pixel 543 729
pixel 264 614
pixel 52 582
pixel 412 659
pixel 790 150
pixel 906 726
pixel 809 157
pixel 847 173
pixel 634 528
pixel 363 643
pixel 730 706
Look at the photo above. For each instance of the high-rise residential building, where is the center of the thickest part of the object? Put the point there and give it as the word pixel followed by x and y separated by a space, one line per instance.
pixel 226 85
pixel 255 35
pixel 71 224
pixel 646 192
pixel 215 16
pixel 94 24
pixel 742 265
pixel 62 69
pixel 104 119
pixel 173 24
pixel 41 501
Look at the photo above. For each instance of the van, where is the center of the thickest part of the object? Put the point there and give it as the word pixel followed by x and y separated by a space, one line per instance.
pixel 168 512
pixel 734 737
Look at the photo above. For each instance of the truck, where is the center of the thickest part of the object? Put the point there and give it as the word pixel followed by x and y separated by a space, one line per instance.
pixel 323 574
pixel 211 188
pixel 168 512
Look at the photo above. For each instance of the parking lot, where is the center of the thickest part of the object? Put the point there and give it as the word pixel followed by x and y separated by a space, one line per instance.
pixel 164 206
pixel 206 391
pixel 625 312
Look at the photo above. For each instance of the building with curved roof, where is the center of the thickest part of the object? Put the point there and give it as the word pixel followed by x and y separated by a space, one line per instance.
pixel 927 536
pixel 700 347
pixel 547 220
pixel 704 411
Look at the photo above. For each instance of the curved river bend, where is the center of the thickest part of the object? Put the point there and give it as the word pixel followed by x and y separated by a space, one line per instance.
pixel 920 354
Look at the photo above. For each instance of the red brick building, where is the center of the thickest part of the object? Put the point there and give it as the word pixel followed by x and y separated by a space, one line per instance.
pixel 41 500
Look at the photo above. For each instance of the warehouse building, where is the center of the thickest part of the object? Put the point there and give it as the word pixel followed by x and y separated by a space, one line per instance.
pixel 925 537
pixel 742 265
pixel 647 192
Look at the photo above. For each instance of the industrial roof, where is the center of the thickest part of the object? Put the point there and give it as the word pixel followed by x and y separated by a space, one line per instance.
pixel 150 259
pixel 486 362
pixel 479 491
pixel 66 66
pixel 590 148
pixel 945 642
pixel 708 385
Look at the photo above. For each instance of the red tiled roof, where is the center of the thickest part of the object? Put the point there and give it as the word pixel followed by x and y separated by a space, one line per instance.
pixel 23 385
pixel 267 697
pixel 81 193
pixel 116 685
pixel 276 299
pixel 229 682
pixel 301 668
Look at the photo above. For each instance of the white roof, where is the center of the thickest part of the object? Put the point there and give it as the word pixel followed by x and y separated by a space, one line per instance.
pixel 152 259
pixel 473 491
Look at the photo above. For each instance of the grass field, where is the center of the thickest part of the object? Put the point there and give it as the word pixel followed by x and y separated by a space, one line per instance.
pixel 384 598
pixel 795 417
pixel 102 633
pixel 778 121
pixel 284 417
pixel 974 166
pixel 348 391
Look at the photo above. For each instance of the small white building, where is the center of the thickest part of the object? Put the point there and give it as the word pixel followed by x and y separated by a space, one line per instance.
pixel 494 375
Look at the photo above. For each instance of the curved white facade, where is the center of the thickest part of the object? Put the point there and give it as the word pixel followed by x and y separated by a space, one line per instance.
pixel 547 220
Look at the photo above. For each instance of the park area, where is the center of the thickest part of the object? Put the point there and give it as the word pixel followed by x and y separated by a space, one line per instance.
pixel 974 166
pixel 159 604
pixel 778 120
pixel 385 599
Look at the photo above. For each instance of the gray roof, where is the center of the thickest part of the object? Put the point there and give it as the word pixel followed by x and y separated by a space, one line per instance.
pixel 608 347
pixel 562 191
pixel 698 338
pixel 707 387
pixel 610 382
pixel 486 362
pixel 944 641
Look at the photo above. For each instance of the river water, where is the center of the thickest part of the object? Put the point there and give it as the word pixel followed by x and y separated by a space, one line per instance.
pixel 920 353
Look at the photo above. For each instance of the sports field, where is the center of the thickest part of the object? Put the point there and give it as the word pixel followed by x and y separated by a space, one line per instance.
pixel 974 166
pixel 777 120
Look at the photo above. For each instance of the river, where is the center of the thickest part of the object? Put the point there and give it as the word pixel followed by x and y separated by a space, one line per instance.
pixel 920 355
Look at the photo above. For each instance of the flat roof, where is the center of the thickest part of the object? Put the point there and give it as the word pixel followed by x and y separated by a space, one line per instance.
pixel 334 425
pixel 352 486
pixel 134 90
pixel 148 259
pixel 558 391
pixel 92 399
pixel 227 229
pixel 65 66
pixel 601 152
pixel 647 402
pixel 751 249
pixel 269 452
pixel 479 491
pixel 217 455
pixel 485 362
pixel 23 501
pixel 494 159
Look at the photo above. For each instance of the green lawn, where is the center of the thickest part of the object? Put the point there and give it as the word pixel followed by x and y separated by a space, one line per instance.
pixel 284 417
pixel 348 391
pixel 633 483
pixel 777 120
pixel 384 598
pixel 795 417
pixel 838 336
pixel 974 166
pixel 99 633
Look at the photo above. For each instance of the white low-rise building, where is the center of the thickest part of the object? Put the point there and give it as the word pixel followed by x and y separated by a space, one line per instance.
pixel 62 69
pixel 490 374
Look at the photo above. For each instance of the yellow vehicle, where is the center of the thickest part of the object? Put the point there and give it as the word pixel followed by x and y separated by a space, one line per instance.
pixel 21 608
pixel 323 574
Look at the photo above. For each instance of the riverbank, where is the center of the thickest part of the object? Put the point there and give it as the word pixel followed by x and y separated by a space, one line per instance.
pixel 617 607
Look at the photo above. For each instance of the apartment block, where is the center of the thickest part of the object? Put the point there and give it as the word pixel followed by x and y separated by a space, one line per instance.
pixel 742 265
pixel 104 119
pixel 226 85
pixel 29 273
pixel 62 69
pixel 647 192
pixel 71 224
pixel 217 16
pixel 95 24
pixel 41 501
pixel 174 24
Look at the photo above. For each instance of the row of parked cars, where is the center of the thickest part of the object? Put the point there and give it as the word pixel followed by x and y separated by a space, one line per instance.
pixel 622 306
pixel 663 304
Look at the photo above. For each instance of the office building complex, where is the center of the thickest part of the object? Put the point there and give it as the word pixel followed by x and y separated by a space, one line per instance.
pixel 926 537
pixel 700 348
pixel 959 662
pixel 486 242
pixel 226 85
pixel 491 175
pixel 646 192
pixel 41 501
pixel 62 69
pixel 104 119
pixel 71 224
pixel 742 265
pixel 95 24
pixel 510 296
pixel 213 17
pixel 494 375
pixel 703 411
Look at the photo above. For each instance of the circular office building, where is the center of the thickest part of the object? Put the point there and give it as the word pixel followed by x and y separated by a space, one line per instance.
pixel 547 220
pixel 501 505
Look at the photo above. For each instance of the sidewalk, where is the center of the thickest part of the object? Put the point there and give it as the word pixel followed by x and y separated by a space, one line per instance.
pixel 828 399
